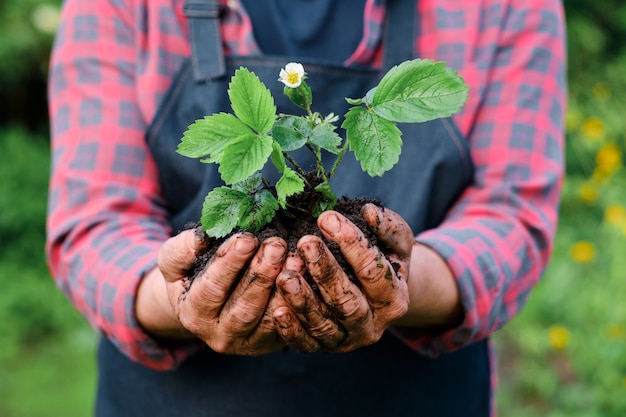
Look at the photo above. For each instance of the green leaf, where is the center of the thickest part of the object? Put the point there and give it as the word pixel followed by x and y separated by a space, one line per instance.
pixel 369 96
pixel 418 91
pixel 256 215
pixel 251 101
pixel 289 184
pixel 376 142
pixel 301 96
pixel 220 211
pixel 291 132
pixel 244 156
pixel 209 136
pixel 354 101
pixel 278 159
pixel 328 199
pixel 324 136
pixel 249 185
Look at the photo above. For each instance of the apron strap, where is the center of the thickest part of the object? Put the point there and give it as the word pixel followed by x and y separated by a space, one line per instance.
pixel 398 29
pixel 207 57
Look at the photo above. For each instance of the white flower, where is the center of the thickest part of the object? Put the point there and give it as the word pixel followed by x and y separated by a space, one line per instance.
pixel 292 75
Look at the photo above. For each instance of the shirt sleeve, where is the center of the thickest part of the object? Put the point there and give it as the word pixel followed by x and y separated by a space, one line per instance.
pixel 106 219
pixel 498 237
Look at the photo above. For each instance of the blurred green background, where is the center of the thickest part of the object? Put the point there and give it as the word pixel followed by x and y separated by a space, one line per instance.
pixel 564 355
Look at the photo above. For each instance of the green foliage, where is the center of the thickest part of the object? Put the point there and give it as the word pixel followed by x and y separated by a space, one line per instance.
pixel 45 365
pixel 252 103
pixel 378 148
pixel 417 91
pixel 26 34
pixel 412 92
pixel 581 296
pixel 27 29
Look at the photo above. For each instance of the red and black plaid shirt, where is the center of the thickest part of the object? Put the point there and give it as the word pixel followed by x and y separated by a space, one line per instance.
pixel 114 60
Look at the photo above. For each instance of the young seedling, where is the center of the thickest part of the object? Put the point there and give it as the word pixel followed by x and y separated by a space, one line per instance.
pixel 242 143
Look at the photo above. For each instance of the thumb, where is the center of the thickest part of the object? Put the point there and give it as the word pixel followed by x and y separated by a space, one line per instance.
pixel 178 253
pixel 393 232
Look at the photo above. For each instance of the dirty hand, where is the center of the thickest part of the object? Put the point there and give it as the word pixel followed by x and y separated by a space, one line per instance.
pixel 343 315
pixel 230 314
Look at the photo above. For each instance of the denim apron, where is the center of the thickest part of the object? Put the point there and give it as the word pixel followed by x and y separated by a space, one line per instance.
pixel 385 379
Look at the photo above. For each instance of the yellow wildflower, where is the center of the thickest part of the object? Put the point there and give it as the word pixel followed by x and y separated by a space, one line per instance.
pixel 588 192
pixel 583 252
pixel 600 176
pixel 593 129
pixel 559 337
pixel 601 91
pixel 572 120
pixel 609 158
pixel 615 215
pixel 615 331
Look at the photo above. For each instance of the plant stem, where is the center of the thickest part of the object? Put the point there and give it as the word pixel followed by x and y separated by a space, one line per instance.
pixel 294 164
pixel 266 183
pixel 297 208
pixel 318 160
pixel 338 160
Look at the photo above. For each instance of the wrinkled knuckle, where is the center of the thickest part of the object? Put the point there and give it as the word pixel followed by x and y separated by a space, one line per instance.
pixel 260 279
pixel 169 255
pixel 191 323
pixel 242 317
pixel 209 294
pixel 351 307
pixel 221 345
pixel 396 310
pixel 374 269
pixel 323 328
pixel 402 309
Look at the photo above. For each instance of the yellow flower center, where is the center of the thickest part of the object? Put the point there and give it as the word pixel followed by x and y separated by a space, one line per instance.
pixel 293 77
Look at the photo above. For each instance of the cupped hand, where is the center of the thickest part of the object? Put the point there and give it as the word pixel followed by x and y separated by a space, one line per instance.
pixel 226 305
pixel 335 313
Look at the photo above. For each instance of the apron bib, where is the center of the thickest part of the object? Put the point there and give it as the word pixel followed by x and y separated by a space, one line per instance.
pixel 386 378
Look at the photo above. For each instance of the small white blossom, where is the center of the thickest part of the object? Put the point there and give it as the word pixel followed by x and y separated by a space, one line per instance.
pixel 292 75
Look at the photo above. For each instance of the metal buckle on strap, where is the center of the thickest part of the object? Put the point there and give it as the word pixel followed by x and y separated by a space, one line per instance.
pixel 204 9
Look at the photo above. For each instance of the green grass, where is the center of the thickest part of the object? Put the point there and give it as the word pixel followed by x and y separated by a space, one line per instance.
pixel 46 353
pixel 54 377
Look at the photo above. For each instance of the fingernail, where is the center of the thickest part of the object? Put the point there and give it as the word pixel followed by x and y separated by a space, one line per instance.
pixel 283 320
pixel 200 240
pixel 370 214
pixel 311 252
pixel 290 286
pixel 244 244
pixel 273 253
pixel 331 224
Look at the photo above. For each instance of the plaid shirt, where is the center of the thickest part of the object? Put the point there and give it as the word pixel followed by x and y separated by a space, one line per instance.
pixel 113 61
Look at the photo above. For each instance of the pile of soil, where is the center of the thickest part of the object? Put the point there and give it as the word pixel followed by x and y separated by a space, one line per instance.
pixel 293 223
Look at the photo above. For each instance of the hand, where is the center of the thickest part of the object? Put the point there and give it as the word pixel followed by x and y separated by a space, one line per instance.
pixel 227 313
pixel 347 315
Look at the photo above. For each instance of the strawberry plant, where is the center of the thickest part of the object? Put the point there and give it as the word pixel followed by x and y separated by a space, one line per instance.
pixel 243 142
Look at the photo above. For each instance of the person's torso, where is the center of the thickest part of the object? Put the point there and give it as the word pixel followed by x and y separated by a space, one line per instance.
pixel 386 378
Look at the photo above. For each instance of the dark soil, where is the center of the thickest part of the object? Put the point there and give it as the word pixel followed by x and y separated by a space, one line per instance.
pixel 292 224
